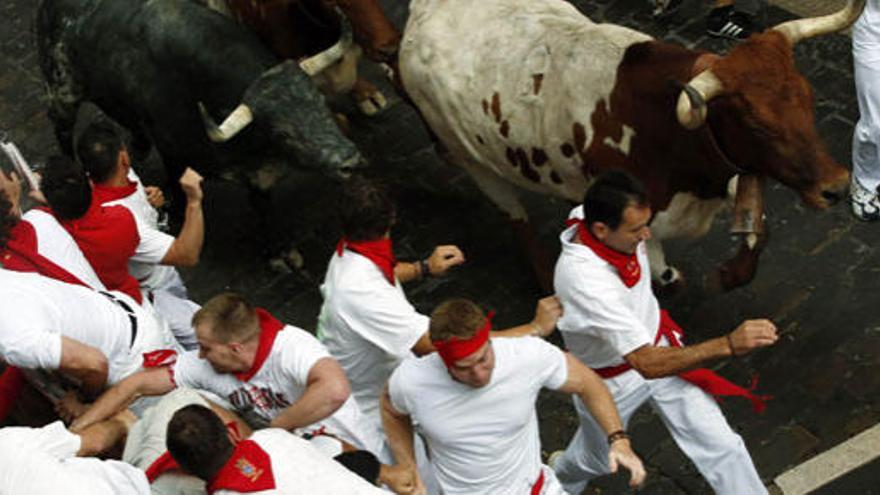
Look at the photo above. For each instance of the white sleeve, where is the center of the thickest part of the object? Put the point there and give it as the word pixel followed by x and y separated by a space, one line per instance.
pixel 55 440
pixel 606 316
pixel 190 371
pixel 384 318
pixel 299 353
pixel 548 363
pixel 153 245
pixel 397 392
pixel 30 348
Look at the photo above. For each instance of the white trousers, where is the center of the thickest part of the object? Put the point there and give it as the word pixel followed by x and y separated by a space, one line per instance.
pixel 866 136
pixel 691 416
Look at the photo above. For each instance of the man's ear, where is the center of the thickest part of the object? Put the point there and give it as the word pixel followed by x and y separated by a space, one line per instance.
pixel 600 230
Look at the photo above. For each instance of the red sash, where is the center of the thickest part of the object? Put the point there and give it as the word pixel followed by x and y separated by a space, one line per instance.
pixel 627 265
pixel 379 252
pixel 711 383
pixel 22 255
pixel 539 484
pixel 248 470
pixel 269 328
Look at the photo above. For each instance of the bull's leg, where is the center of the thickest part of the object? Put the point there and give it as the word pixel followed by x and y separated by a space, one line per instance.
pixel 666 279
pixel 369 99
pixel 741 269
pixel 282 255
pixel 505 197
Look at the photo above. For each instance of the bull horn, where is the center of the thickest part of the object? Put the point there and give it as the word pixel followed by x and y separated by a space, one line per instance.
pixel 237 120
pixel 801 29
pixel 693 100
pixel 321 61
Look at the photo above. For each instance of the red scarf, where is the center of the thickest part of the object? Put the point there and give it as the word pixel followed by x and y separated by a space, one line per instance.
pixel 22 255
pixel 378 251
pixel 269 328
pixel 627 265
pixel 248 470
pixel 456 349
pixel 105 194
pixel 712 383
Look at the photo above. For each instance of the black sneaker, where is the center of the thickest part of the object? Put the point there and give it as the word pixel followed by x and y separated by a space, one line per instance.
pixel 663 8
pixel 725 22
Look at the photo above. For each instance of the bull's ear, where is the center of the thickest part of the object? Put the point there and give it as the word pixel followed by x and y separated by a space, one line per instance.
pixel 240 118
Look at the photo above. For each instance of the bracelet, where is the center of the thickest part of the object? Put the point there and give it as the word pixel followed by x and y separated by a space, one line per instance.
pixel 425 269
pixel 617 435
pixel 730 343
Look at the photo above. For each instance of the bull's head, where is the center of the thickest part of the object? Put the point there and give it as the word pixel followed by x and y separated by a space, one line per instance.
pixel 284 103
pixel 762 109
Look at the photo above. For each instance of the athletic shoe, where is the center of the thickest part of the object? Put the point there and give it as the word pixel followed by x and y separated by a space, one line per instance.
pixel 865 203
pixel 554 457
pixel 663 8
pixel 725 22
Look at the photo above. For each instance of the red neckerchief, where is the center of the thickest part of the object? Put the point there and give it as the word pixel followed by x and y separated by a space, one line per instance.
pixel 269 328
pixel 22 255
pixel 165 463
pixel 105 194
pixel 627 265
pixel 378 251
pixel 712 383
pixel 248 470
pixel 455 349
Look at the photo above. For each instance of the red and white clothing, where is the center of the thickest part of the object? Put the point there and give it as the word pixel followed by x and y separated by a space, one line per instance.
pixel 43 461
pixel 36 311
pixel 276 383
pixel 296 466
pixel 161 283
pixel 368 325
pixel 603 321
pixel 483 440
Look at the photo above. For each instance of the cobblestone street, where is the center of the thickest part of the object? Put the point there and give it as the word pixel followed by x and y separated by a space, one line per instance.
pixel 819 277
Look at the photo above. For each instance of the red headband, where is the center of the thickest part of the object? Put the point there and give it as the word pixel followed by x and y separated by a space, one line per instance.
pixel 455 349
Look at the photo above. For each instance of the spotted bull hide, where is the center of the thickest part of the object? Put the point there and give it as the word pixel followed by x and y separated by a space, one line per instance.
pixel 531 93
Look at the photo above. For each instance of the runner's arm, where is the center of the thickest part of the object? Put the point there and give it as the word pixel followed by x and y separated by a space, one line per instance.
pixel 156 381
pixel 326 391
pixel 85 363
pixel 399 430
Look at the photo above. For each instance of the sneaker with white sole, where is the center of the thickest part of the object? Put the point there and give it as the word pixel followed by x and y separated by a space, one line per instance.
pixel 725 22
pixel 865 203
pixel 554 458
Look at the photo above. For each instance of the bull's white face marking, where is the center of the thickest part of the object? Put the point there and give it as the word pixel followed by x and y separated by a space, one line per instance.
pixel 625 144
pixel 687 216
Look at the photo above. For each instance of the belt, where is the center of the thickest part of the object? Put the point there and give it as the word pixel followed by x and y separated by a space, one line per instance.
pixel 132 317
pixel 539 484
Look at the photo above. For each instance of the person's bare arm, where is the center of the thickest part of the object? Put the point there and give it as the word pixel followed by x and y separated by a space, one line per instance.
pixel 155 381
pixel 657 362
pixel 326 391
pixel 399 431
pixel 101 437
pixel 187 247
pixel 87 365
pixel 595 395
pixel 547 313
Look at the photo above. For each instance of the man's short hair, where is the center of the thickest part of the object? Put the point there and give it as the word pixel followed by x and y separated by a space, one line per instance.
pixel 231 318
pixel 366 210
pixel 197 439
pixel 609 195
pixel 98 150
pixel 8 219
pixel 66 187
pixel 459 318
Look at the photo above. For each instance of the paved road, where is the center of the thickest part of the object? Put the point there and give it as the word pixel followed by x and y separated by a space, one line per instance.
pixel 818 280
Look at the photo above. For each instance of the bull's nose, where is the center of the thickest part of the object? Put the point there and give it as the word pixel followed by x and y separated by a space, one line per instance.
pixel 833 197
pixel 351 166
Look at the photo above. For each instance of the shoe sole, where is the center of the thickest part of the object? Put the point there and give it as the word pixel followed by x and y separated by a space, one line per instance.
pixel 719 34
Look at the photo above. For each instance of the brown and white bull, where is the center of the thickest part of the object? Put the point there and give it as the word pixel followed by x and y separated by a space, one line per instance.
pixel 531 93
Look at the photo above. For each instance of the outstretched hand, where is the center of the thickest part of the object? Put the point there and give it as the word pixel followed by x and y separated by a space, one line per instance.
pixel 443 258
pixel 547 313
pixel 751 335
pixel 621 454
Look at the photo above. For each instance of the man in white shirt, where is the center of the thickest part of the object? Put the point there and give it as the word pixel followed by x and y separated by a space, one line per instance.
pixel 53 461
pixel 114 182
pixel 270 461
pixel 474 403
pixel 272 374
pixel 614 325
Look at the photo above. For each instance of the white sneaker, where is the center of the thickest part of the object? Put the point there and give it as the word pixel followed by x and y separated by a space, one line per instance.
pixel 554 457
pixel 865 203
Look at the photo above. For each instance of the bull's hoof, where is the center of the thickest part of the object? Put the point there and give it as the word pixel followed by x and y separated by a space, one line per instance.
pixel 670 283
pixel 287 263
pixel 373 104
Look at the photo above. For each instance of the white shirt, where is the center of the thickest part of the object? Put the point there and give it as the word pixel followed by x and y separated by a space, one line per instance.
pixel 280 381
pixel 154 244
pixel 36 311
pixel 603 319
pixel 368 325
pixel 55 244
pixel 482 440
pixel 43 461
pixel 299 468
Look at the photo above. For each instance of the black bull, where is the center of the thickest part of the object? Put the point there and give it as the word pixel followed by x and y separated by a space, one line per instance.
pixel 149 66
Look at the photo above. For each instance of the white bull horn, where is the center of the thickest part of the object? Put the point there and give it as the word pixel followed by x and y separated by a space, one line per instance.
pixel 321 61
pixel 234 123
pixel 802 29
pixel 692 102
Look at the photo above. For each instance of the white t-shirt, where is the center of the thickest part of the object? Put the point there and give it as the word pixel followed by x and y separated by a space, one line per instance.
pixel 603 319
pixel 482 440
pixel 55 244
pixel 300 468
pixel 154 244
pixel 36 311
pixel 43 461
pixel 367 325
pixel 280 381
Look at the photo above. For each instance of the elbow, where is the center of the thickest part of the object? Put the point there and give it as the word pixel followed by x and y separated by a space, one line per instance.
pixel 190 261
pixel 337 394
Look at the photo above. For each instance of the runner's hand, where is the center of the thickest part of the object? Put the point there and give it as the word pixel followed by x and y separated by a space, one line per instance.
pixel 443 258
pixel 69 407
pixel 751 335
pixel 191 182
pixel 155 196
pixel 547 313
pixel 620 454
pixel 403 480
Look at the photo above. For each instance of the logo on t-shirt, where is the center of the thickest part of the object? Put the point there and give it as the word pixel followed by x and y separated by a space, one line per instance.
pixel 248 470
pixel 262 398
